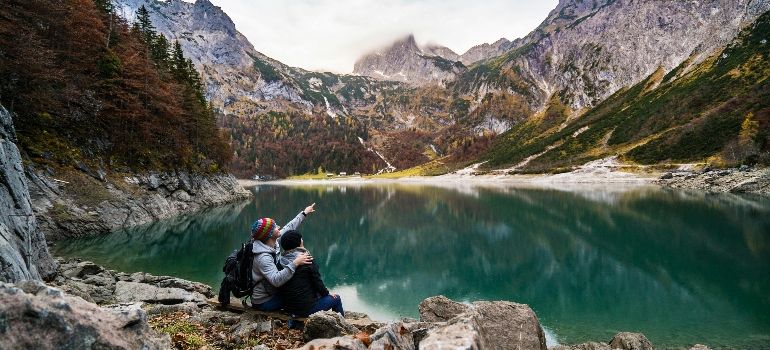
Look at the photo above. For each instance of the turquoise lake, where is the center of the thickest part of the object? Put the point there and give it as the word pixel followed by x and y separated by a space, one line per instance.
pixel 681 267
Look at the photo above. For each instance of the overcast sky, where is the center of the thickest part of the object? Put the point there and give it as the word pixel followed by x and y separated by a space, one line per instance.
pixel 331 35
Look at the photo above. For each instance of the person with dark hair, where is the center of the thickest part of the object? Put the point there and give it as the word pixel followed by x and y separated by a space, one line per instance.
pixel 305 293
pixel 266 274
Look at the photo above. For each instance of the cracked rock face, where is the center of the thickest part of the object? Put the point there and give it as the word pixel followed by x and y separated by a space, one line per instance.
pixel 23 251
pixel 483 325
pixel 440 309
pixel 593 48
pixel 140 199
pixel 31 309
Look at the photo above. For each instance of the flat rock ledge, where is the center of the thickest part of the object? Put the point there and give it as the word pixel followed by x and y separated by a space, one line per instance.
pixel 68 311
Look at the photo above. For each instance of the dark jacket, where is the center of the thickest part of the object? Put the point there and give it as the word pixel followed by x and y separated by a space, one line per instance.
pixel 299 293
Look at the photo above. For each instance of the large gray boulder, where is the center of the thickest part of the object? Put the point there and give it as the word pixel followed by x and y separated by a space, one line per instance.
pixel 326 325
pixel 440 309
pixel 507 325
pixel 489 325
pixel 35 316
pixel 23 251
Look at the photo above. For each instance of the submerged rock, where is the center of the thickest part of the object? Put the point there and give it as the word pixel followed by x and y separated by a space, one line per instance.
pixel 700 347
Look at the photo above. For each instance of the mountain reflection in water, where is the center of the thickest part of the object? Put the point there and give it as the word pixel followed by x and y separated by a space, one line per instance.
pixel 680 267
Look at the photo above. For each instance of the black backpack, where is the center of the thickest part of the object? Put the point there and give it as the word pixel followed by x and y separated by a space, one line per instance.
pixel 237 271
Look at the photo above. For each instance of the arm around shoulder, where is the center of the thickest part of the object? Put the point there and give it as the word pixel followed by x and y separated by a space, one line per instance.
pixel 267 268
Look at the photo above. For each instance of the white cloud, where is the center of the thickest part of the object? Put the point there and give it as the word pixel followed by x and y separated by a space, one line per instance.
pixel 332 34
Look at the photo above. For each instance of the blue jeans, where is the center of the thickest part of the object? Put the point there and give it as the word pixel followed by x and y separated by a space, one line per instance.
pixel 273 304
pixel 327 303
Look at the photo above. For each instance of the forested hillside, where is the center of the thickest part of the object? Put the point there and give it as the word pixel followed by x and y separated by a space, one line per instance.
pixel 87 89
pixel 276 144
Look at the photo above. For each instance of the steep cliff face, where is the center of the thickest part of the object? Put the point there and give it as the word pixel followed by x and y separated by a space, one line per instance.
pixel 206 33
pixel 83 205
pixel 588 50
pixel 235 74
pixel 23 251
pixel 406 62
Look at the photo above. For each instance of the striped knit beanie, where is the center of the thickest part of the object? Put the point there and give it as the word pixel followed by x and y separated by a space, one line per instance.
pixel 263 229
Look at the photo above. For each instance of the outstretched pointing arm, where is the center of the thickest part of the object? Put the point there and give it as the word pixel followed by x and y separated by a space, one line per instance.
pixel 294 223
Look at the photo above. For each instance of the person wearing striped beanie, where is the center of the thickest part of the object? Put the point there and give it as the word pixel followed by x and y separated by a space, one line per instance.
pixel 265 273
pixel 263 229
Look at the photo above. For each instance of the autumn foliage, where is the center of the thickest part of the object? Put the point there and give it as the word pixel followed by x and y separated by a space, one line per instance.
pixel 83 85
pixel 276 144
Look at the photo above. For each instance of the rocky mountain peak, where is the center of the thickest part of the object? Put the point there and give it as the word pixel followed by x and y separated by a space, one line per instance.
pixel 212 18
pixel 405 61
pixel 206 33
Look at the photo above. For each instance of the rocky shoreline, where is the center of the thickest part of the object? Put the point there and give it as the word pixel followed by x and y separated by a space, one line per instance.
pixel 63 209
pixel 744 180
pixel 735 180
pixel 88 306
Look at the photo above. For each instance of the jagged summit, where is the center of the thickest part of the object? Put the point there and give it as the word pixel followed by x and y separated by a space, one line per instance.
pixel 405 61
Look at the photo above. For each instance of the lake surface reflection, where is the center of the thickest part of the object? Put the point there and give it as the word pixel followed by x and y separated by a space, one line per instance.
pixel 680 267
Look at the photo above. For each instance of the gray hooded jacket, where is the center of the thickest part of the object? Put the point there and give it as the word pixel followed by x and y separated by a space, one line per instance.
pixel 264 271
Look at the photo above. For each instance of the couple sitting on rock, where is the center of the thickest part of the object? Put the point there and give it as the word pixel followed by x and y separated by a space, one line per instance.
pixel 289 281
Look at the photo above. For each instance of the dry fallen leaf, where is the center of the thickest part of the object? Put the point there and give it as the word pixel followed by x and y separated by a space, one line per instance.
pixel 364 337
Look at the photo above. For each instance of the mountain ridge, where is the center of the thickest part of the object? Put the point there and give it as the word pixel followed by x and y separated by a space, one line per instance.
pixel 581 54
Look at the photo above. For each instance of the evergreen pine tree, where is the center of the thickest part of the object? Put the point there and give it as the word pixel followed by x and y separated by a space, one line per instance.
pixel 145 24
pixel 159 49
pixel 104 6
pixel 178 63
